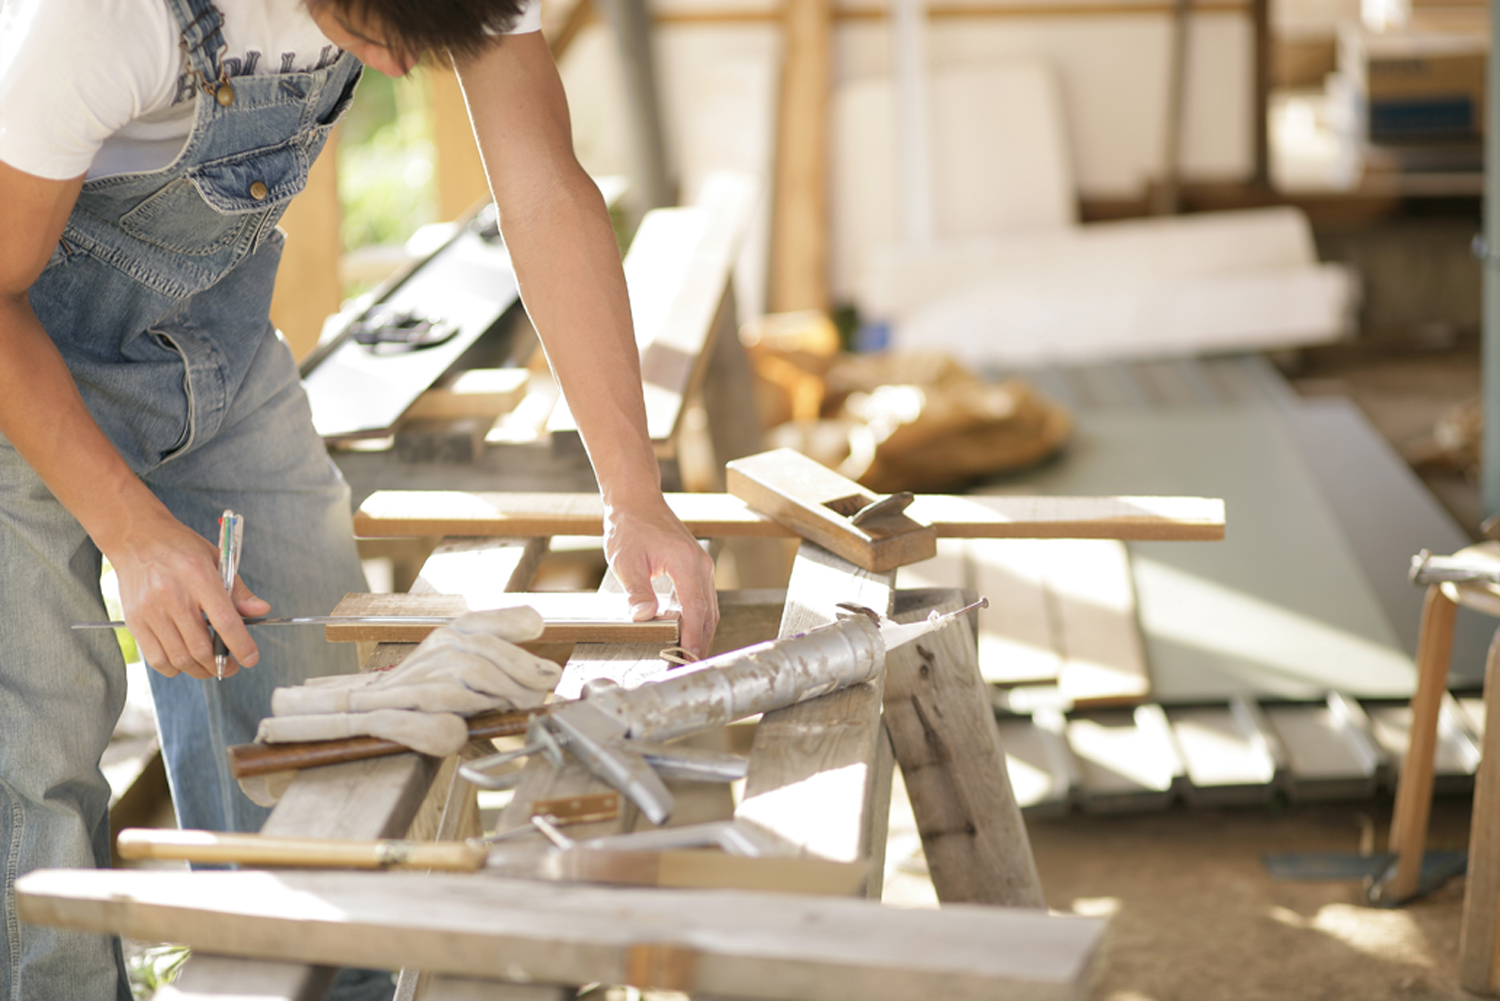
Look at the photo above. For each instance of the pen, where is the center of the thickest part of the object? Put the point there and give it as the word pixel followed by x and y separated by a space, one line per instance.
pixel 231 536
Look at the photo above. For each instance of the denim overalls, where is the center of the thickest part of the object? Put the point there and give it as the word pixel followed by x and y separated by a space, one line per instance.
pixel 158 298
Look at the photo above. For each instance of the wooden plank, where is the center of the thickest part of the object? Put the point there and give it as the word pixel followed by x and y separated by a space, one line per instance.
pixel 481 570
pixel 479 392
pixel 701 941
pixel 376 798
pixel 820 770
pixel 1092 595
pixel 943 730
pixel 1479 939
pixel 1016 642
pixel 1280 607
pixel 678 270
pixel 571 617
pixel 465 513
pixel 818 504
pixel 800 232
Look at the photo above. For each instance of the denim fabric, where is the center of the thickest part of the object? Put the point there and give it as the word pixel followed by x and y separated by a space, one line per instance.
pixel 158 299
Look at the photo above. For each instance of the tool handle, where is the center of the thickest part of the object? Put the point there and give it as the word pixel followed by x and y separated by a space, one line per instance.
pixel 249 760
pixel 325 853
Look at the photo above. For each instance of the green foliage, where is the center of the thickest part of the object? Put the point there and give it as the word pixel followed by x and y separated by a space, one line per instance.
pixel 109 585
pixel 153 968
pixel 386 158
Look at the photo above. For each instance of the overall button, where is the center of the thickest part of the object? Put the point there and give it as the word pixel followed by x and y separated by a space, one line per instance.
pixel 258 191
pixel 224 94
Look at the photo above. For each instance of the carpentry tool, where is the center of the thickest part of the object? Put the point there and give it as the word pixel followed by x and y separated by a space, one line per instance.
pixel 747 857
pixel 832 510
pixel 1429 569
pixel 612 730
pixel 231 539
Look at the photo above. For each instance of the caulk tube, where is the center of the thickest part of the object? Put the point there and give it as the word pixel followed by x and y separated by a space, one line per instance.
pixel 741 683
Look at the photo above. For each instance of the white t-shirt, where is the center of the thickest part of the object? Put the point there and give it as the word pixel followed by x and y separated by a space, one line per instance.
pixel 101 86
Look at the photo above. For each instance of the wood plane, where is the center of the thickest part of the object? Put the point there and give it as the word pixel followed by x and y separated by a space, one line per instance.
pixel 832 510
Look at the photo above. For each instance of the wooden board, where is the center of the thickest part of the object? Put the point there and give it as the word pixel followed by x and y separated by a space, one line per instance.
pixel 943 732
pixel 571 617
pixel 710 942
pixel 1281 607
pixel 818 503
pixel 357 393
pixel 479 392
pixel 678 272
pixel 820 770
pixel 994 516
pixel 1092 598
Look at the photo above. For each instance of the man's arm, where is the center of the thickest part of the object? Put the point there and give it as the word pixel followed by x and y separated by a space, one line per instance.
pixel 558 230
pixel 168 574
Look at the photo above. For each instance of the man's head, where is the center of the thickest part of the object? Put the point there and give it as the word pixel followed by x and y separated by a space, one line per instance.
pixel 391 35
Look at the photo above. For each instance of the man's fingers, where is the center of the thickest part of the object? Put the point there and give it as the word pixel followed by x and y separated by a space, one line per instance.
pixel 245 601
pixel 226 619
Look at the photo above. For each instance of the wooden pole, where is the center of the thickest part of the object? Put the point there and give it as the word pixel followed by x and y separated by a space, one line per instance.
pixel 308 289
pixel 799 234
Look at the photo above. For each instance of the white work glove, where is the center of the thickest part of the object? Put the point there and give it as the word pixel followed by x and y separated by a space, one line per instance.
pixel 469 666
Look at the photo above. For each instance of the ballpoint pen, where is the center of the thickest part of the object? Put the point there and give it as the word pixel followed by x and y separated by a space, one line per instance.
pixel 231 536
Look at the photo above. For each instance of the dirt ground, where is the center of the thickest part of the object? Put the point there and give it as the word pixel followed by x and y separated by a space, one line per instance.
pixel 1195 916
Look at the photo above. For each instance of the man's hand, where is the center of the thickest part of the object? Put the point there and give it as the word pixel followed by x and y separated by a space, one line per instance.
pixel 646 542
pixel 169 581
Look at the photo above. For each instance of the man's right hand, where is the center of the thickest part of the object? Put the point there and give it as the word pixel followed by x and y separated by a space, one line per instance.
pixel 169 575
pixel 169 583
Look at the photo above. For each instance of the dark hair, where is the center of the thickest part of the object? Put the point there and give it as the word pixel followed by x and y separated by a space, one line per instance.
pixel 416 27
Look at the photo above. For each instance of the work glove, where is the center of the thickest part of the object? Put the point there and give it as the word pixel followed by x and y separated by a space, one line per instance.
pixel 469 666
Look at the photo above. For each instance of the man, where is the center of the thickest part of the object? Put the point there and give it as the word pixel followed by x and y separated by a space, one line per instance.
pixel 147 148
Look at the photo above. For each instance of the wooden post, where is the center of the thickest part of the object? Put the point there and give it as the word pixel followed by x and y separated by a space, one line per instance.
pixel 1414 789
pixel 461 180
pixel 308 289
pixel 799 251
pixel 938 712
pixel 1479 940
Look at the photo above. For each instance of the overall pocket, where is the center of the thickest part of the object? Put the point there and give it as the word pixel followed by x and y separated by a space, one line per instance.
pixel 213 205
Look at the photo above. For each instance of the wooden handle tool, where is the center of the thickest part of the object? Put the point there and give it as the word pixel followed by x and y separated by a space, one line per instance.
pixel 249 760
pixel 322 853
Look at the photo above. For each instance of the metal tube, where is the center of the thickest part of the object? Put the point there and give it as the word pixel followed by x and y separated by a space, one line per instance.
pixel 744 682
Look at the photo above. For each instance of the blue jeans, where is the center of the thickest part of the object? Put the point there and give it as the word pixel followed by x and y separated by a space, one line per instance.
pixel 238 438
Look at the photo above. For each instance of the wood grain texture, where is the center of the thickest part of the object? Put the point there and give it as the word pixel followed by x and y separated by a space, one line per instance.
pixel 463 513
pixel 571 617
pixel 1413 806
pixel 817 504
pixel 946 741
pixel 1479 939
pixel 741 943
pixel 820 770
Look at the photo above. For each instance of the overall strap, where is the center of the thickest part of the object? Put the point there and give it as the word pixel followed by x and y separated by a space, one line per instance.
pixel 202 39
